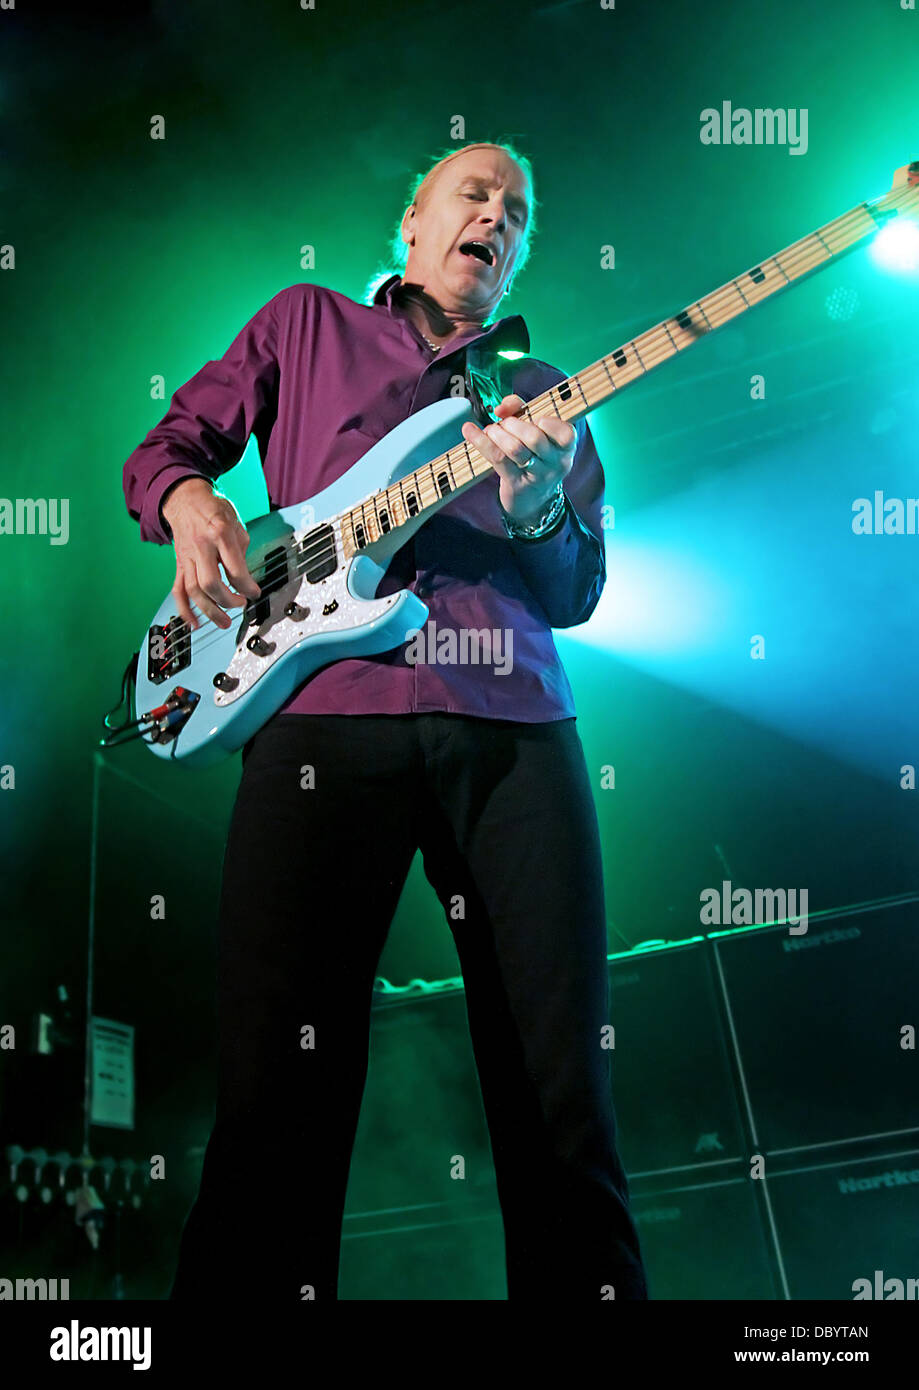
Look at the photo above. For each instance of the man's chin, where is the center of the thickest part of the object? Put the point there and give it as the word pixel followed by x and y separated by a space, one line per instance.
pixel 471 295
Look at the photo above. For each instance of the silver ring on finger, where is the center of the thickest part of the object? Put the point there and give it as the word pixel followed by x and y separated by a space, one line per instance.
pixel 529 464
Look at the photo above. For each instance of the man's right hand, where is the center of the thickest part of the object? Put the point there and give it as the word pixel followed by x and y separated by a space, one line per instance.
pixel 207 533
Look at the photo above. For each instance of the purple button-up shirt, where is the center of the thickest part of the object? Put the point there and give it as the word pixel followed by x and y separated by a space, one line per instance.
pixel 319 378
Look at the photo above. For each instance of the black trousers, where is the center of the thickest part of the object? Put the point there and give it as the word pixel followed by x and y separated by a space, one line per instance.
pixel 504 816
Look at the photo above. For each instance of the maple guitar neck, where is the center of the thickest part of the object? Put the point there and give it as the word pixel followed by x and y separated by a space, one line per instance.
pixel 435 483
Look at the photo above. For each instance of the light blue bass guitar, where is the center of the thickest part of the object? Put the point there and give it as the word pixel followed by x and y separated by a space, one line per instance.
pixel 203 693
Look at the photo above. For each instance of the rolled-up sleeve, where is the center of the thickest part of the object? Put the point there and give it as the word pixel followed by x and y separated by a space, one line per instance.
pixel 566 571
pixel 209 420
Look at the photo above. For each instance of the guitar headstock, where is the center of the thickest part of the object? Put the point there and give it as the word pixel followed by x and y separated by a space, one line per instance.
pixel 907 177
pixel 902 198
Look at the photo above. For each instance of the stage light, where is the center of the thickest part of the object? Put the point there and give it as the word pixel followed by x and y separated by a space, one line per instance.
pixel 896 246
pixel 659 604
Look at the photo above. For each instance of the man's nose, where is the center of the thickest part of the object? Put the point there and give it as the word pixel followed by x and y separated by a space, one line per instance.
pixel 496 213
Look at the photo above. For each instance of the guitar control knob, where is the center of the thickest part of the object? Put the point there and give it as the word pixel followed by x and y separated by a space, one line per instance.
pixel 295 611
pixel 224 682
pixel 260 646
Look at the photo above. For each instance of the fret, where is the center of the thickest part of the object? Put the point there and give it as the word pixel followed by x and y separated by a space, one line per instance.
pixel 864 226
pixel 802 264
pixel 838 239
pixel 762 281
pixel 627 371
pixel 577 382
pixel 687 331
pixel 747 304
pixel 375 516
pixel 638 355
pixel 456 464
pixel 609 376
pixel 348 545
pixel 669 335
pixel 724 305
pixel 540 407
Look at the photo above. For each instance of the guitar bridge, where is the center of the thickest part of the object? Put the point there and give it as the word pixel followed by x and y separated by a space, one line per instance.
pixel 168 651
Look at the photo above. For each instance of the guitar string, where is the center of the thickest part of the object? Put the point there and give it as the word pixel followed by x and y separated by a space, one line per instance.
pixel 658 336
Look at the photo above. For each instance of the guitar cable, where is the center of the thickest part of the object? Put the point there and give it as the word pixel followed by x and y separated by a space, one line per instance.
pixel 131 729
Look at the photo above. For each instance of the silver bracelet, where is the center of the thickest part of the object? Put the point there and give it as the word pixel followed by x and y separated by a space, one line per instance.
pixel 531 531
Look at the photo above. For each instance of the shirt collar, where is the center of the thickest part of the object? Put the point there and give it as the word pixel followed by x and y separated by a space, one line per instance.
pixel 509 333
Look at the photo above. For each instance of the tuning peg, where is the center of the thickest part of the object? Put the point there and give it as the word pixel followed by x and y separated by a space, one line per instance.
pixel 907 175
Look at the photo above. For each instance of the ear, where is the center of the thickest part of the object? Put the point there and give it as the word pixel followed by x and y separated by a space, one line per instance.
pixel 408 222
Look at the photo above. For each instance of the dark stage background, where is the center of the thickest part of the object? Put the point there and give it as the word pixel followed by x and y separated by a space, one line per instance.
pixel 137 258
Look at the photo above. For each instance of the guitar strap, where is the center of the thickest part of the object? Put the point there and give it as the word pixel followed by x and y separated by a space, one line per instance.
pixel 487 382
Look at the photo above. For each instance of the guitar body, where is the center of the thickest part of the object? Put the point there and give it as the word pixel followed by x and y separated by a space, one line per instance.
pixel 232 680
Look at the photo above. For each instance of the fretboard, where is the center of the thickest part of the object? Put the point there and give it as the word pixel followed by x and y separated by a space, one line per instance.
pixel 452 472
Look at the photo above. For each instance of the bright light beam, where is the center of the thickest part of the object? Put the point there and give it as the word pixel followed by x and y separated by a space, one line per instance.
pixel 896 247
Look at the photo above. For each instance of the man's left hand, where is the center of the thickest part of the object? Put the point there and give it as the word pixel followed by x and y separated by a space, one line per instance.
pixel 509 445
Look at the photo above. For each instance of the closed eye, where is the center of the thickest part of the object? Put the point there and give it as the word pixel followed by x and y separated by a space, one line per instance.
pixel 482 198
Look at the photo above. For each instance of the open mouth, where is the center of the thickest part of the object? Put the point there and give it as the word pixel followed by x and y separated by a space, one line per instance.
pixel 480 251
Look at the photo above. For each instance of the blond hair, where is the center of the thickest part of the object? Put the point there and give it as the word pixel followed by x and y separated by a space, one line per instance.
pixel 420 188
